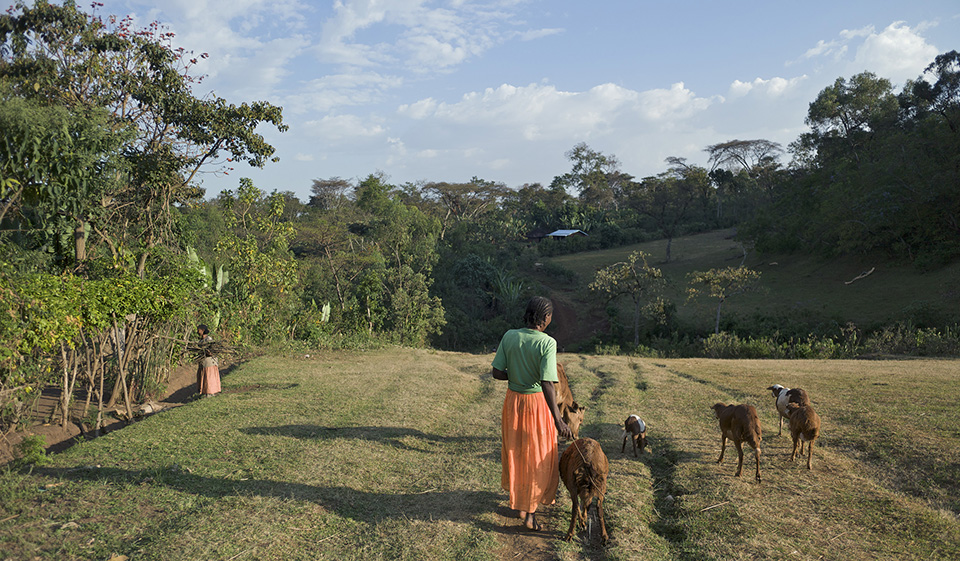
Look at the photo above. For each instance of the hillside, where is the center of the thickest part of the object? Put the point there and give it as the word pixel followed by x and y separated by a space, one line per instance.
pixel 394 454
pixel 797 290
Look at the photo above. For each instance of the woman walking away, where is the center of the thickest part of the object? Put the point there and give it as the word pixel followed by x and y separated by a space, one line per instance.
pixel 527 359
pixel 208 371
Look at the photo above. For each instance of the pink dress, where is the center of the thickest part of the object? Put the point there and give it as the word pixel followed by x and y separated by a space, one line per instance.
pixel 208 374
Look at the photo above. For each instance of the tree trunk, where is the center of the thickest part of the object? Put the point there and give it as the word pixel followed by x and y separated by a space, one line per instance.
pixel 80 242
pixel 669 244
pixel 636 323
pixel 716 327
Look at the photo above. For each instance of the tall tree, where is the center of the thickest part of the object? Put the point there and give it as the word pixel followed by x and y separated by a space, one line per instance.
pixel 634 279
pixel 59 55
pixel 594 176
pixel 722 284
pixel 669 198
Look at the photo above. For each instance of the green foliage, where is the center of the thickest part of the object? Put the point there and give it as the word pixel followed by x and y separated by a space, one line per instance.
pixel 636 279
pixel 142 133
pixel 721 284
pixel 32 451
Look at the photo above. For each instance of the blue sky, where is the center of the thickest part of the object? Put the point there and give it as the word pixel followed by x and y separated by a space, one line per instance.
pixel 501 89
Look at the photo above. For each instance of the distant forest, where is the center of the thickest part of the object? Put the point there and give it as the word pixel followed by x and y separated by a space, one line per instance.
pixel 110 255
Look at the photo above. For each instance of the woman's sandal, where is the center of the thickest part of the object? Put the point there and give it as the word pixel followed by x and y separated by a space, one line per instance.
pixel 536 525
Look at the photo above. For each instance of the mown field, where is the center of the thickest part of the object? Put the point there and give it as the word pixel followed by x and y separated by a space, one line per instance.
pixel 394 454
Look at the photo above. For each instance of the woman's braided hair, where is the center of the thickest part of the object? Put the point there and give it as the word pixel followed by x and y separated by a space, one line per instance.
pixel 538 309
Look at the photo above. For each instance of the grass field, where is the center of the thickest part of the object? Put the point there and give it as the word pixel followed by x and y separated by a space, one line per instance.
pixel 800 286
pixel 394 454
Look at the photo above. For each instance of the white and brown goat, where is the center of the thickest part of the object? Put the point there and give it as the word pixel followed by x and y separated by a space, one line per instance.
pixel 636 430
pixel 804 428
pixel 583 470
pixel 739 423
pixel 782 397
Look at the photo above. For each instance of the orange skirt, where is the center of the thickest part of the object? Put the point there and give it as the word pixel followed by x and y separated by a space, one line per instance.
pixel 528 452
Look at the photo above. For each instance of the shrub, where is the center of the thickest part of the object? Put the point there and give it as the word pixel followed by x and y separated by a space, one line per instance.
pixel 33 451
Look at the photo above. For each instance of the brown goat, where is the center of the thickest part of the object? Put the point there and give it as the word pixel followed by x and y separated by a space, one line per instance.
pixel 583 469
pixel 570 410
pixel 804 427
pixel 636 430
pixel 739 423
pixel 573 417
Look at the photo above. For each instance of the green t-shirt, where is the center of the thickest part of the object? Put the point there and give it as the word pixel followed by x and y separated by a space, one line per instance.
pixel 527 356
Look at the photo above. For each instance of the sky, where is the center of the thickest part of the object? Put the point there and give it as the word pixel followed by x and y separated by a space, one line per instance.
pixel 448 90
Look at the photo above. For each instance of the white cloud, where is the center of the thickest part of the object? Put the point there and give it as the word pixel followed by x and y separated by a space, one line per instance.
pixel 898 53
pixel 772 88
pixel 533 34
pixel 340 128
pixel 301 157
pixel 339 90
pixel 540 110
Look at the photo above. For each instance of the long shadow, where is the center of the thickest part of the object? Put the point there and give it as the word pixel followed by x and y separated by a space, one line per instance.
pixel 186 393
pixel 393 436
pixel 362 506
pixel 663 468
pixel 735 393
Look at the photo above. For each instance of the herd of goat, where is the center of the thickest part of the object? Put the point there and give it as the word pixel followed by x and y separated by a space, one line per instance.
pixel 584 466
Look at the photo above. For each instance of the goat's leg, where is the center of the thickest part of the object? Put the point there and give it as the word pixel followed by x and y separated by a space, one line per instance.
pixel 801 447
pixel 623 446
pixel 756 454
pixel 603 525
pixel 634 442
pixel 739 446
pixel 796 442
pixel 574 514
pixel 780 431
pixel 810 455
pixel 723 447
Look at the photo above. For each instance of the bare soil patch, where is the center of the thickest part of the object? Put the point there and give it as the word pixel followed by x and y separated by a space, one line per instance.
pixel 181 386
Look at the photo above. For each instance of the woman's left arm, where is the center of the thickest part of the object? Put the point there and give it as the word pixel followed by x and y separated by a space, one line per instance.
pixel 498 374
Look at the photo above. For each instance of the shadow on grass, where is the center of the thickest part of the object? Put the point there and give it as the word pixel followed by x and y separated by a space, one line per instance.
pixel 663 467
pixel 393 436
pixel 363 506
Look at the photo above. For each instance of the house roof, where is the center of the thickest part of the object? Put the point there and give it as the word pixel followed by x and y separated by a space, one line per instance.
pixel 565 233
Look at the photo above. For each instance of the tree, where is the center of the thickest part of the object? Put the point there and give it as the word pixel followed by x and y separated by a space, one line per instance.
pixel 595 176
pixel 745 172
pixel 60 56
pixel 722 284
pixel 633 278
pixel 668 199
pixel 460 202
pixel 850 113
pixel 329 194
pixel 64 163
pixel 406 241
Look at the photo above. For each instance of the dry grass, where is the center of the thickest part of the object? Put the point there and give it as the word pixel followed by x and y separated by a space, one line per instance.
pixel 395 455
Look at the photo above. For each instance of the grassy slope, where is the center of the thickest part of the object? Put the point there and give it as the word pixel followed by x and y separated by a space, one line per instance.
pixel 395 455
pixel 796 284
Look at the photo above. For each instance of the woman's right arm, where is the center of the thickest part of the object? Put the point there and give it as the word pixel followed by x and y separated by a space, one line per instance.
pixel 550 394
